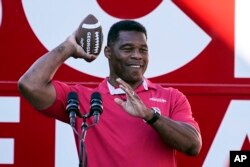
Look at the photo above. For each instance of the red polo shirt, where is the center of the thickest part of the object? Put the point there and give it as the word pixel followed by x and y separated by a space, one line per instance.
pixel 119 139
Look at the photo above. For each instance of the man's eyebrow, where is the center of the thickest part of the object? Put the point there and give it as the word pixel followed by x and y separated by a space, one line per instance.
pixel 131 44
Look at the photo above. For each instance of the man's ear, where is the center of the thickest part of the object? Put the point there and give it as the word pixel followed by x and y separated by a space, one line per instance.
pixel 107 52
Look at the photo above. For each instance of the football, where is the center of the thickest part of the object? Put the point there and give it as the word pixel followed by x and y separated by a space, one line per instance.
pixel 89 35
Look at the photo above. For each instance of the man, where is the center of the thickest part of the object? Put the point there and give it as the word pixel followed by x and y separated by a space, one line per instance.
pixel 142 124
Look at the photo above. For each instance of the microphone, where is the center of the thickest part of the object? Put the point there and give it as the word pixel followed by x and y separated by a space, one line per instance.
pixel 96 107
pixel 72 107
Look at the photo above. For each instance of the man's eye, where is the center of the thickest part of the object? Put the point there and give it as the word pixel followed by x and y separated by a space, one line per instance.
pixel 143 50
pixel 127 49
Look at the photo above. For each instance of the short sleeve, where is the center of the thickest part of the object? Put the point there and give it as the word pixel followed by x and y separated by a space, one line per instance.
pixel 181 110
pixel 58 109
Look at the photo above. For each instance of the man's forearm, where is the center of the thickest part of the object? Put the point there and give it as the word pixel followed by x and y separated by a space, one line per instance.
pixel 43 70
pixel 35 84
pixel 178 135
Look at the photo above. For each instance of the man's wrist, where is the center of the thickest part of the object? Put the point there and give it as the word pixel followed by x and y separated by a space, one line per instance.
pixel 156 115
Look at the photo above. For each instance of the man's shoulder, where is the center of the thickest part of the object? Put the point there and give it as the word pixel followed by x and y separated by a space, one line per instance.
pixel 165 89
pixel 66 87
pixel 160 87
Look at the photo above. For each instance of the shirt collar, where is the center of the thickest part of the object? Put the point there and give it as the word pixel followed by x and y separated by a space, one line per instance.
pixel 115 91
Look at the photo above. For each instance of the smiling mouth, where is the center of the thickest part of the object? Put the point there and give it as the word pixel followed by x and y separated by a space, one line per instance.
pixel 135 66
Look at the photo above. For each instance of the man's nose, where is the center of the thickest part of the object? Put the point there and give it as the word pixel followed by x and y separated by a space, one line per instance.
pixel 136 54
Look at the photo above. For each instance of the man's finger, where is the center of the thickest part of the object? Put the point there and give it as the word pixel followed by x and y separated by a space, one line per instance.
pixel 120 102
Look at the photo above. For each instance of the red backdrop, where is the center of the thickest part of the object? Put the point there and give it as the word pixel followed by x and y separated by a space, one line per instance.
pixel 208 80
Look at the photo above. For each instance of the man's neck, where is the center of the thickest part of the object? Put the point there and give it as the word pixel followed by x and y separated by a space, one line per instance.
pixel 115 84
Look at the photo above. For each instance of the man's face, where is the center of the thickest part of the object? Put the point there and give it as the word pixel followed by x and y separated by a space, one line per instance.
pixel 128 56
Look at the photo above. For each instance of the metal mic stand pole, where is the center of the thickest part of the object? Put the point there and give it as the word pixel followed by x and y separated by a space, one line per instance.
pixel 82 149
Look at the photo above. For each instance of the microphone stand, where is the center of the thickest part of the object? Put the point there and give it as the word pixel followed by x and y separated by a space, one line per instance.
pixel 73 109
pixel 82 148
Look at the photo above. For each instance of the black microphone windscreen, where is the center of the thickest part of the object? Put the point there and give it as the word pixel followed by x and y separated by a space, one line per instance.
pixel 96 102
pixel 72 103
pixel 96 95
pixel 72 95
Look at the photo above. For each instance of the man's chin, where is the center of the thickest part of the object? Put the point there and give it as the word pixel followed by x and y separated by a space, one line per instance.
pixel 134 79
